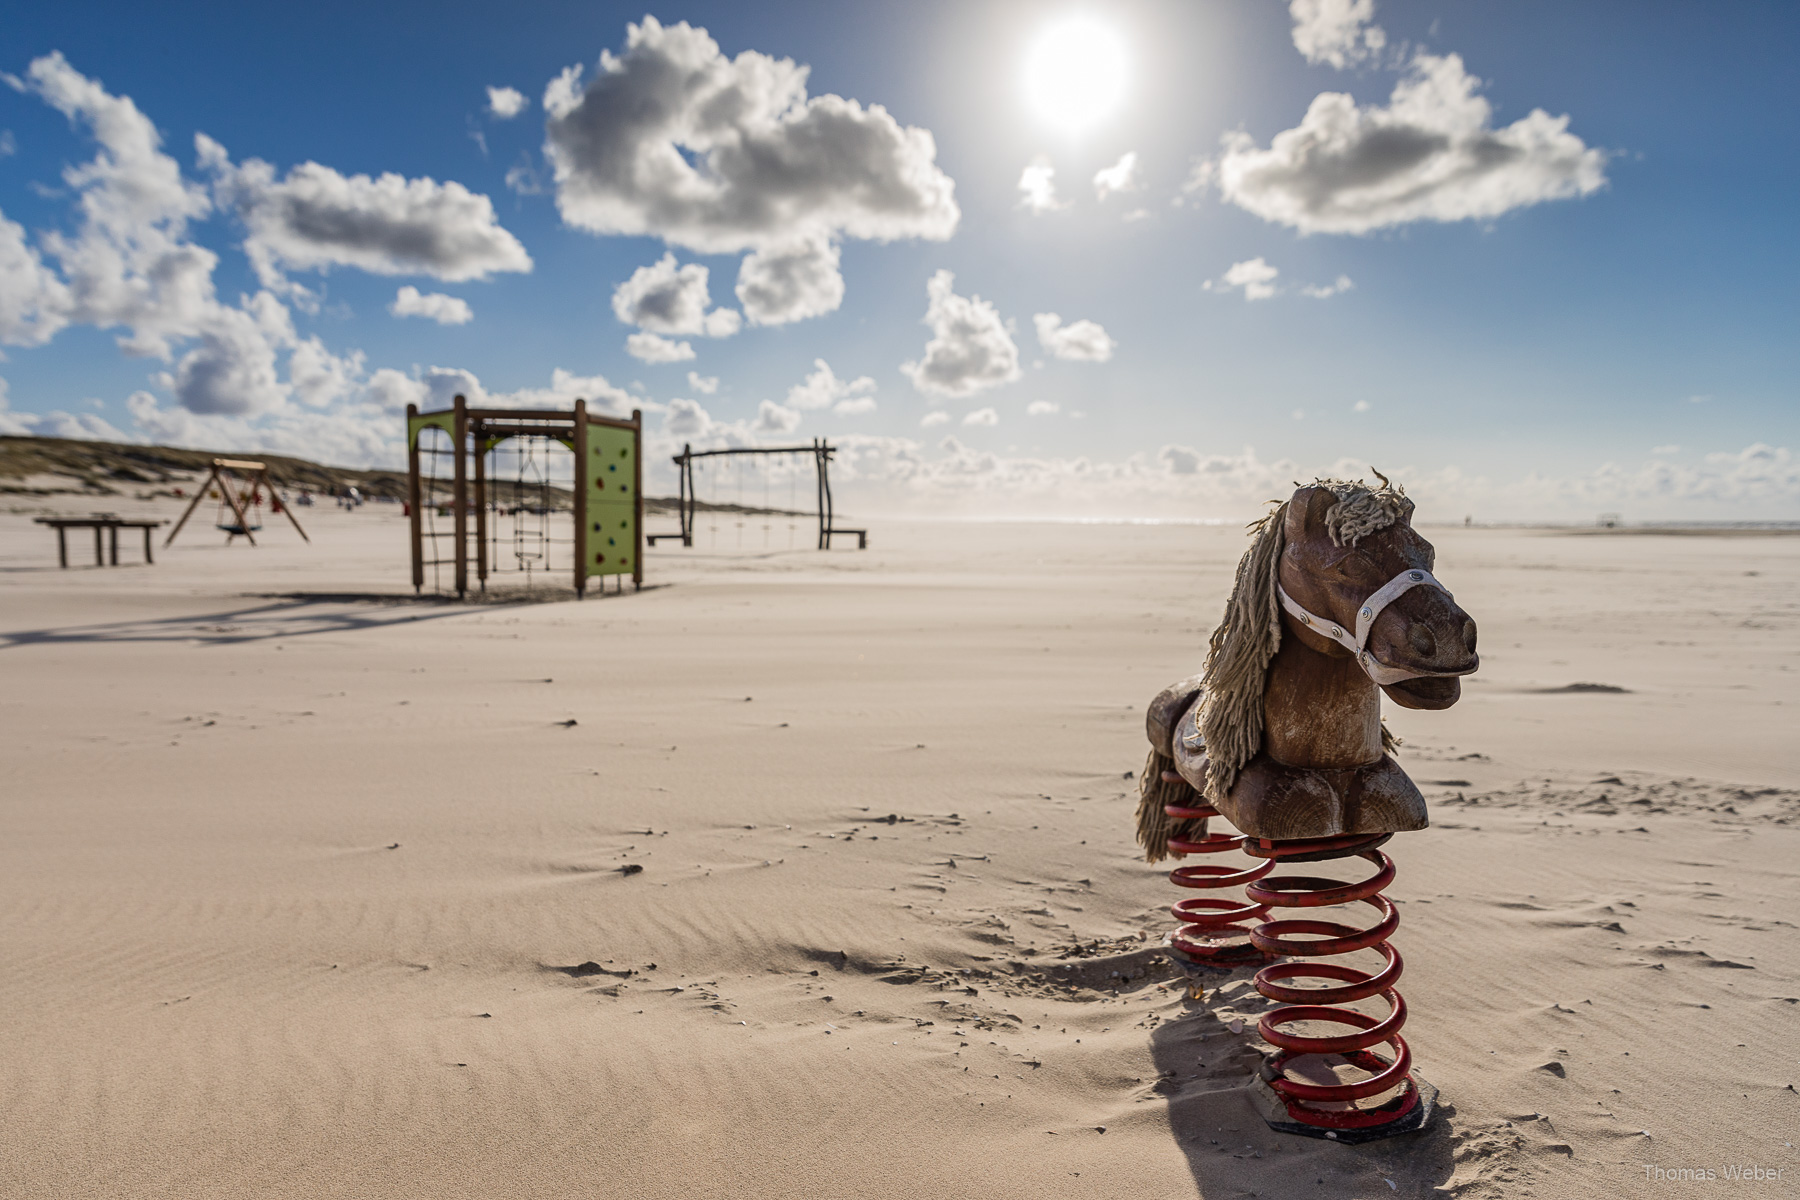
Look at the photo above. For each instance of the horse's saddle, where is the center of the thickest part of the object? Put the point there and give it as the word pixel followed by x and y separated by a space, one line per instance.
pixel 1276 800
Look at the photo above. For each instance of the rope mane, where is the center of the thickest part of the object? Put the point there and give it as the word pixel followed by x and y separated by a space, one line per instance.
pixel 1245 642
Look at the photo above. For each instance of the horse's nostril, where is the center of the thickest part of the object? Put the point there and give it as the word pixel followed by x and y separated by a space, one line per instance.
pixel 1469 636
pixel 1421 639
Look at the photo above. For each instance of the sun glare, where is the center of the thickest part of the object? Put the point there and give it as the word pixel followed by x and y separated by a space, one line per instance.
pixel 1075 73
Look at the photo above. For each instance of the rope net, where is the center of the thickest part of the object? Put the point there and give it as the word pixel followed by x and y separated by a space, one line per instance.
pixel 529 506
pixel 746 489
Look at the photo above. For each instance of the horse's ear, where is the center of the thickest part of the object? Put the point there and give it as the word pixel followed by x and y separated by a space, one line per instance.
pixel 1307 511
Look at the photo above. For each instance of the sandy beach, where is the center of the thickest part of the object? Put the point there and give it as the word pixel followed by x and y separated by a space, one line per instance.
pixel 806 874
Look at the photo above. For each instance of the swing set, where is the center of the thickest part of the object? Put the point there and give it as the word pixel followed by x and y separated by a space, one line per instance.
pixel 720 470
pixel 238 484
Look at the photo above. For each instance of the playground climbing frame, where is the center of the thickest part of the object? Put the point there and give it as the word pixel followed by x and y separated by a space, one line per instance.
pixel 607 492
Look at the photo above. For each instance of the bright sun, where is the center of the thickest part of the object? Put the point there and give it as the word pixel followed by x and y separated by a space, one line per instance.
pixel 1075 73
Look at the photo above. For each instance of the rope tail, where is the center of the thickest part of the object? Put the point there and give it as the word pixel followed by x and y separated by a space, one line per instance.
pixel 1154 826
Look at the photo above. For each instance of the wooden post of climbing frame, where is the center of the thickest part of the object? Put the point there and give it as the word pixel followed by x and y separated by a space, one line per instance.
pixel 825 484
pixel 412 497
pixel 637 488
pixel 819 488
pixel 461 496
pixel 681 493
pixel 479 433
pixel 693 504
pixel 581 498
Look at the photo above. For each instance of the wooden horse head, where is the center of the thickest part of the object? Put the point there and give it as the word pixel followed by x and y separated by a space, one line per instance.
pixel 1340 554
pixel 1333 604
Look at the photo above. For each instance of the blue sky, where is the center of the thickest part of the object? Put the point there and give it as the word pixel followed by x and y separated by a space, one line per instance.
pixel 1543 318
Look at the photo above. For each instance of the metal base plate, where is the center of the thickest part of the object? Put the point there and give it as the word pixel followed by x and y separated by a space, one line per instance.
pixel 1275 1114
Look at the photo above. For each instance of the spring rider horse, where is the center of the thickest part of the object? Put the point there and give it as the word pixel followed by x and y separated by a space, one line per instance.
pixel 1282 736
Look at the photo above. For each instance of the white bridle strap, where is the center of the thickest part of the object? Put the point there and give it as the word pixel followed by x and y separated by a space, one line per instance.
pixel 1358 644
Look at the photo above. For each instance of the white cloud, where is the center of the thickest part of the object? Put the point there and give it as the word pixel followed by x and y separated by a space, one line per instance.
pixel 1430 155
pixel 958 477
pixel 1181 460
pixel 790 280
pixel 1181 481
pixel 314 218
pixel 1078 341
pixel 1201 176
pixel 86 426
pixel 650 348
pixel 442 384
pixel 1042 408
pixel 970 349
pixel 129 262
pixel 665 298
pixel 522 177
pixel 34 303
pixel 1336 31
pixel 319 377
pixel 1321 291
pixel 1255 276
pixel 506 103
pixel 706 385
pixel 391 390
pixel 1361 406
pixel 1759 479
pixel 822 388
pixel 57 423
pixel 445 310
pixel 1037 187
pixel 861 406
pixel 673 140
pixel 1665 451
pixel 8 145
pixel 773 418
pixel 936 417
pixel 9 421
pixel 1257 279
pixel 1122 176
pixel 686 418
pixel 231 370
pixel 982 416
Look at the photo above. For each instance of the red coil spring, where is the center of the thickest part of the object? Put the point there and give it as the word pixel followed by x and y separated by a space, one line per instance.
pixel 1213 932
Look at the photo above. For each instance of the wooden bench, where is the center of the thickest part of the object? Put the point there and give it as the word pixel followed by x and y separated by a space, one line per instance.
pixel 110 524
pixel 862 537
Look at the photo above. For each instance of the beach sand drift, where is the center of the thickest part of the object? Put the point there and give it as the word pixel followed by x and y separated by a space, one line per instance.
pixel 811 874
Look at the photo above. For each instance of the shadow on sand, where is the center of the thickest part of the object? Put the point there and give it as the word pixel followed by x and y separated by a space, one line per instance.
pixel 298 614
pixel 285 615
pixel 1203 1068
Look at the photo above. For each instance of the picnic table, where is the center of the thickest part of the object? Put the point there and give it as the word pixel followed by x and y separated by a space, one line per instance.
pixel 99 522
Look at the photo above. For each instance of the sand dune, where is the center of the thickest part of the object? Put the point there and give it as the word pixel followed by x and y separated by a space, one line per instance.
pixel 309 890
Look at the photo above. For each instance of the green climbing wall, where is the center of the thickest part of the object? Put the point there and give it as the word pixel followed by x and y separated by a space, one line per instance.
pixel 612 532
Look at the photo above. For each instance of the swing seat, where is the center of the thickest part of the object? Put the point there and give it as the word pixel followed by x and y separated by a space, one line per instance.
pixel 236 530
